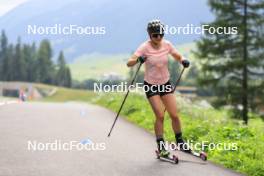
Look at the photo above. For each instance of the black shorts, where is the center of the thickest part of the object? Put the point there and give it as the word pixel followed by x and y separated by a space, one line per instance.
pixel 161 90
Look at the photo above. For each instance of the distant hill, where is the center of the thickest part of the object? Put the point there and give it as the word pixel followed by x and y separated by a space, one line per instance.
pixel 125 22
pixel 96 65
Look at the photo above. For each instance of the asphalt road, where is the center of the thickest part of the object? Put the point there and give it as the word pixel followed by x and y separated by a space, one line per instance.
pixel 129 151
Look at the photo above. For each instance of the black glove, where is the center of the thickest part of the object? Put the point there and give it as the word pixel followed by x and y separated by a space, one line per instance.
pixel 185 63
pixel 141 59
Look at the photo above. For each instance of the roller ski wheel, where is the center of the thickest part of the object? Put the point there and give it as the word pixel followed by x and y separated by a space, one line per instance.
pixel 174 159
pixel 203 156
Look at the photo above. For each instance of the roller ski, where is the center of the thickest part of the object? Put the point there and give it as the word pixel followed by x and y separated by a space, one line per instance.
pixel 165 156
pixel 186 149
pixel 201 155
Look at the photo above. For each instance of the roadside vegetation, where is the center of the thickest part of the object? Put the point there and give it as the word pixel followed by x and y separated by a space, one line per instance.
pixel 200 124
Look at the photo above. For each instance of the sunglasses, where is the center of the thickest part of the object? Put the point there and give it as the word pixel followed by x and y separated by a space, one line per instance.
pixel 155 35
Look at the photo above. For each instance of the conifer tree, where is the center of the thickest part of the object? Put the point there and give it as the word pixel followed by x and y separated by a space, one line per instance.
pixel 233 64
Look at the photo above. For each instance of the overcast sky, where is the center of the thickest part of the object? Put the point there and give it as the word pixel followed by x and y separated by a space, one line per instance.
pixel 7 5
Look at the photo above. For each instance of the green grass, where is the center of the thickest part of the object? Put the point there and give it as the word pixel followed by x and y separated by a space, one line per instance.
pixel 65 94
pixel 199 125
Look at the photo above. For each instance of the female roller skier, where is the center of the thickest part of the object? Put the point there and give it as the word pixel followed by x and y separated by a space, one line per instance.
pixel 154 53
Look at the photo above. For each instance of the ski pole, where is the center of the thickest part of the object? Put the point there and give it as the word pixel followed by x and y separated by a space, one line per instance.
pixel 132 82
pixel 177 82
